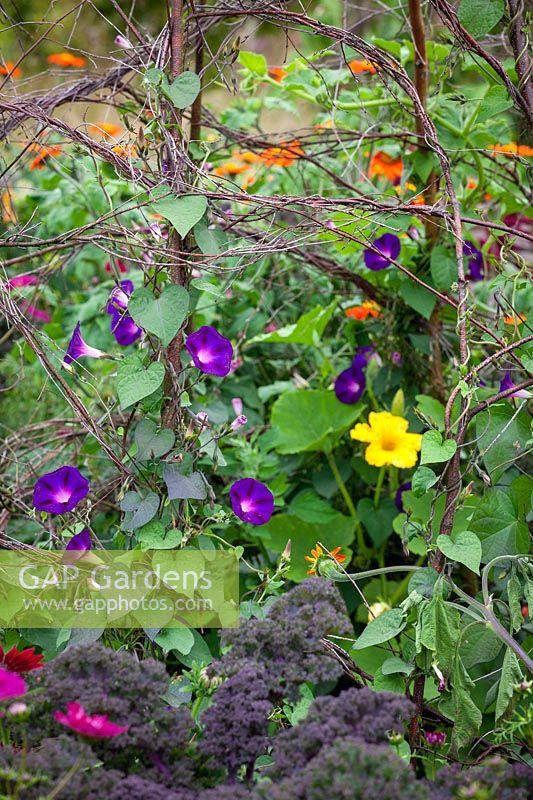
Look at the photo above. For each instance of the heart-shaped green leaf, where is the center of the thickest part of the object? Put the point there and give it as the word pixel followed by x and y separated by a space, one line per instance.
pixel 183 90
pixel 163 315
pixel 465 547
pixel 135 384
pixel 377 521
pixel 436 449
pixel 150 442
pixel 183 212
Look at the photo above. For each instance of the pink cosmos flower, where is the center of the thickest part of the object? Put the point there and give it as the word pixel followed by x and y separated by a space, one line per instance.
pixel 11 685
pixel 95 726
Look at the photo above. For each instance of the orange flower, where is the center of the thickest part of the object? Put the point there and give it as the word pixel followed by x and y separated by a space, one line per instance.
pixel 7 69
pixel 277 73
pixel 356 67
pixel 248 157
pixel 66 60
pixel 230 168
pixel 511 319
pixel 106 129
pixel 317 553
pixel 472 184
pixel 368 309
pixel 42 156
pixel 8 212
pixel 126 151
pixel 284 155
pixel 381 164
pixel 513 149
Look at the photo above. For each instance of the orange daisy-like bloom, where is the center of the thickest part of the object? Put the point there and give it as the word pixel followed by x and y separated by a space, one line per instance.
pixel 277 73
pixel 368 309
pixel 317 553
pixel 383 165
pixel 106 129
pixel 248 157
pixel 283 156
pixel 66 60
pixel 511 319
pixel 513 149
pixel 43 155
pixel 126 151
pixel 357 67
pixel 230 168
pixel 8 68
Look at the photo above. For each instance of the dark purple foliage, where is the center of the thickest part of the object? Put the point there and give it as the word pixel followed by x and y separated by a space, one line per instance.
pixel 348 769
pixel 235 725
pixel 210 351
pixel 493 779
pixel 360 714
pixel 127 690
pixel 251 501
pixel 389 247
pixel 60 491
pixel 286 645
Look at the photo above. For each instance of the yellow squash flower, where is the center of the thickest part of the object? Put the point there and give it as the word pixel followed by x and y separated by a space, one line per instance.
pixel 388 440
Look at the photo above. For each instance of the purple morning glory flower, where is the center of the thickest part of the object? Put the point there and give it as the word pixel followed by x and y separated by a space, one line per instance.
pixel 210 351
pixel 350 385
pixel 404 487
pixel 361 357
pixel 507 383
pixel 475 261
pixel 77 348
pixel 123 327
pixel 82 541
pixel 389 246
pixel 251 501
pixel 60 491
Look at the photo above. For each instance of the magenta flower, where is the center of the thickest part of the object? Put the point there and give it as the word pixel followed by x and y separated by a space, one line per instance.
pixel 389 247
pixel 11 685
pixel 476 267
pixel 398 498
pixel 238 422
pixel 95 726
pixel 78 348
pixel 507 383
pixel 33 311
pixel 60 491
pixel 82 541
pixel 252 501
pixel 123 327
pixel 210 351
pixel 22 280
pixel 435 738
pixel 350 385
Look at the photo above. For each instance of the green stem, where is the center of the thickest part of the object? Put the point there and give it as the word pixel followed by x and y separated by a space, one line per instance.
pixel 363 549
pixel 379 486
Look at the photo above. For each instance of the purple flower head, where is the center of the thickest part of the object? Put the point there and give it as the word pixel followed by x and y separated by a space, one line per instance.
pixel 435 738
pixel 60 491
pixel 11 685
pixel 210 351
pixel 82 541
pixel 77 348
pixel 396 358
pixel 120 296
pixel 389 247
pixel 362 357
pixel 252 501
pixel 475 260
pixel 404 487
pixel 238 422
pixel 124 329
pixel 507 383
pixel 350 385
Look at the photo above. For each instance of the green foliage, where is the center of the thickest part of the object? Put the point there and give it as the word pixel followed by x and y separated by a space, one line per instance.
pixel 306 420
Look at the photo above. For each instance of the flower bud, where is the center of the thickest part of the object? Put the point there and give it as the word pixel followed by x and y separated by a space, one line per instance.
pixel 237 405
pixel 238 422
pixel 121 41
